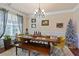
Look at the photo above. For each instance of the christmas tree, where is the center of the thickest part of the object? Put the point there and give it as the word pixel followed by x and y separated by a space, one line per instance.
pixel 71 34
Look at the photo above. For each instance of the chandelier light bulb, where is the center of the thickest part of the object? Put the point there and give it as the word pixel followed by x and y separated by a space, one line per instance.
pixel 36 10
pixel 42 10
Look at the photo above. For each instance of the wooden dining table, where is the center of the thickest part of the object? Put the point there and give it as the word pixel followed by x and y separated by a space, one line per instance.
pixel 30 47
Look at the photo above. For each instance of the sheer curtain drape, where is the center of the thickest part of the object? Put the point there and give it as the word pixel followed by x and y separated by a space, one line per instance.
pixel 14 24
pixel 20 23
pixel 10 23
pixel 3 21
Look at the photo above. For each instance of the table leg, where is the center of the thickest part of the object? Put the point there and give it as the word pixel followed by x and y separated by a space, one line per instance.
pixel 49 48
pixel 49 53
pixel 16 51
pixel 29 52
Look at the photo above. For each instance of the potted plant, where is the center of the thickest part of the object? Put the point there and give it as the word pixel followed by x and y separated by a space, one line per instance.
pixel 7 41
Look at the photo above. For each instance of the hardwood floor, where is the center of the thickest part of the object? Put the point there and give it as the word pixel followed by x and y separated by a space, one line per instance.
pixel 3 49
pixel 75 51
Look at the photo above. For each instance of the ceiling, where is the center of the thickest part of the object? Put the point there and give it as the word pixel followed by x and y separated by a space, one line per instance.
pixel 29 8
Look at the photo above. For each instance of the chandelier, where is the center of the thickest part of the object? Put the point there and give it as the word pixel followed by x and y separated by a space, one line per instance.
pixel 39 13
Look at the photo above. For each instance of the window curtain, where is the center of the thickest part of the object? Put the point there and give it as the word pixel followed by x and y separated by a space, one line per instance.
pixel 3 20
pixel 20 23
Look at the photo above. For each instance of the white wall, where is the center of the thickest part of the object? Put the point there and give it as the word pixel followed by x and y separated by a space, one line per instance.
pixel 76 18
pixel 53 20
pixel 25 23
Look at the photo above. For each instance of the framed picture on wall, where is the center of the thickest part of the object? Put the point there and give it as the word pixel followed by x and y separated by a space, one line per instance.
pixel 59 25
pixel 33 25
pixel 33 20
pixel 45 23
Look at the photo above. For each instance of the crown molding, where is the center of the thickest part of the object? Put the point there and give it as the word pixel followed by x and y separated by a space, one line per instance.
pixel 75 8
pixel 59 12
pixel 7 6
pixel 12 10
pixel 64 11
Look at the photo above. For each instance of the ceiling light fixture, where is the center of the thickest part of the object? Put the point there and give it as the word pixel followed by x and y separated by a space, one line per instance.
pixel 39 13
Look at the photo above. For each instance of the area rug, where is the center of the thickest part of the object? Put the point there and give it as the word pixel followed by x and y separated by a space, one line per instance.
pixel 11 52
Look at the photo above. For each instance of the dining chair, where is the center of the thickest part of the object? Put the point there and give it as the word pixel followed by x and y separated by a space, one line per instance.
pixel 58 46
pixel 19 39
pixel 60 43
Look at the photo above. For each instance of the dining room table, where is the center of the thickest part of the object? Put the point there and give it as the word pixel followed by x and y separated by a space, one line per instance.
pixel 30 47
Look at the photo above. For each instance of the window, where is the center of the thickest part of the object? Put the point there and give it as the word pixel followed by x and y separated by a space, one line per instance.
pixel 1 22
pixel 12 25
